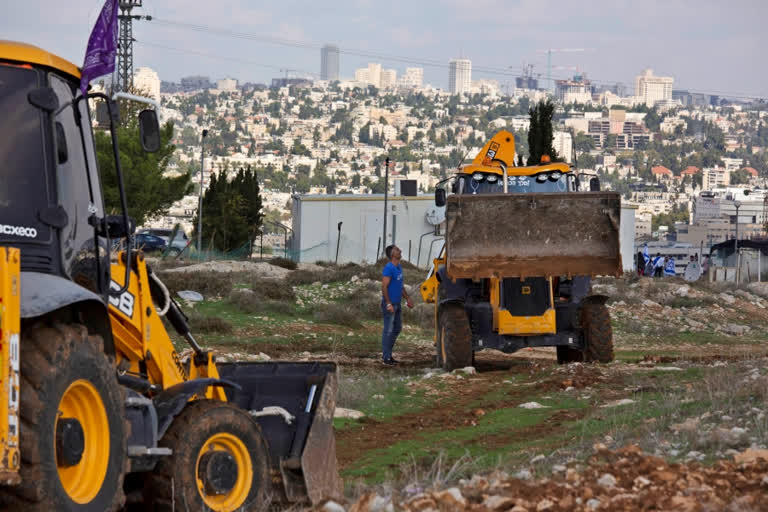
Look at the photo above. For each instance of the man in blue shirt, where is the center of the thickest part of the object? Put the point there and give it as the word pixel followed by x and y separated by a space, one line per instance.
pixel 392 291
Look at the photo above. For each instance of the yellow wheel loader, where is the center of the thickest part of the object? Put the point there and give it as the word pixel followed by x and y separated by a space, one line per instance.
pixel 97 409
pixel 521 245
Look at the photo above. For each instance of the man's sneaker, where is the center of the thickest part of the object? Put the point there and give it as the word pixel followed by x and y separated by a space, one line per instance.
pixel 388 362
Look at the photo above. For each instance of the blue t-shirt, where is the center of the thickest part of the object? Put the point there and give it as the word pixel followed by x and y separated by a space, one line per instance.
pixel 395 287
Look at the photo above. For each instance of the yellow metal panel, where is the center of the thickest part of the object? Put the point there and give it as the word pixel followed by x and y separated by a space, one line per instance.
pixel 10 324
pixel 527 325
pixel 28 54
pixel 500 147
pixel 517 171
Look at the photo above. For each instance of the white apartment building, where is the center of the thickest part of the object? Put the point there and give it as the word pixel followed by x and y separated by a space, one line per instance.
pixel 651 89
pixel 714 177
pixel 459 76
pixel 733 164
pixel 489 87
pixel 413 78
pixel 226 85
pixel 147 81
pixel 388 78
pixel 370 75
pixel 573 91
pixel 563 144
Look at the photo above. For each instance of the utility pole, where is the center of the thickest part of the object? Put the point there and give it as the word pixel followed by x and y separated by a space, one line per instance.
pixel 386 190
pixel 200 201
pixel 125 44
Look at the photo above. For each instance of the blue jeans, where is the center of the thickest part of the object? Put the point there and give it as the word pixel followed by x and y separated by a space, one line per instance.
pixel 393 324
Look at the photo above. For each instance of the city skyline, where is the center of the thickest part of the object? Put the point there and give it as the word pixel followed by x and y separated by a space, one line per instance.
pixel 712 53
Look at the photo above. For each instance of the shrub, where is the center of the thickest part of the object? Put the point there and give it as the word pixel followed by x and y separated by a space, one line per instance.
pixel 273 289
pixel 284 263
pixel 337 314
pixel 209 284
pixel 248 301
pixel 209 324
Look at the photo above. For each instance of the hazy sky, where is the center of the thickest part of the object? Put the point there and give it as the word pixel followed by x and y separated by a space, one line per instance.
pixel 709 46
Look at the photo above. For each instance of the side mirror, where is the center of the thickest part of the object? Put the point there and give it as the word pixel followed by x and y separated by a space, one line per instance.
pixel 594 185
pixel 117 228
pixel 149 131
pixel 440 197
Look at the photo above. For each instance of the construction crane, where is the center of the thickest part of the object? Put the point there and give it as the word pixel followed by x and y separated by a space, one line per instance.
pixel 550 51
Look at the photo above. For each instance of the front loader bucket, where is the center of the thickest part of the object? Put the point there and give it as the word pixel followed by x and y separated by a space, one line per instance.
pixel 527 235
pixel 302 452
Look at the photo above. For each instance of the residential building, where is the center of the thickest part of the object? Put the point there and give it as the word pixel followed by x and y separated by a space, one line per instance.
pixel 651 89
pixel 194 83
pixel 329 62
pixel 459 76
pixel 147 81
pixel 562 142
pixel 413 78
pixel 388 78
pixel 577 90
pixel 370 75
pixel 226 84
pixel 714 177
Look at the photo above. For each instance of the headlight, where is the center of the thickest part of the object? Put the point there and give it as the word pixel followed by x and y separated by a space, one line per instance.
pixel 541 178
pixel 555 175
pixel 492 178
pixel 478 176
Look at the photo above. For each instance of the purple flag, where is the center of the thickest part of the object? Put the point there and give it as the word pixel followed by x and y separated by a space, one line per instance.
pixel 102 46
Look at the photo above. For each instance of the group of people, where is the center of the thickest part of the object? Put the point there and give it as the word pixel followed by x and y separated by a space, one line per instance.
pixel 664 266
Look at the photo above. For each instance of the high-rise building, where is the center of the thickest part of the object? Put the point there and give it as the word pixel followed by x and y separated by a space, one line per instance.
pixel 370 75
pixel 413 78
pixel 329 62
pixel 226 84
pixel 459 76
pixel 650 89
pixel 388 78
pixel 147 81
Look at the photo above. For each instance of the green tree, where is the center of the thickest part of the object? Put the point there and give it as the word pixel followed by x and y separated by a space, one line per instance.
pixel 740 177
pixel 148 191
pixel 540 134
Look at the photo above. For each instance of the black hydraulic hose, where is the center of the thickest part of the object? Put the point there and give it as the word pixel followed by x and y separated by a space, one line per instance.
pixel 421 239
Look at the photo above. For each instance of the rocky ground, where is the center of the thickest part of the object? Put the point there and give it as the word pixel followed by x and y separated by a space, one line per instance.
pixel 678 422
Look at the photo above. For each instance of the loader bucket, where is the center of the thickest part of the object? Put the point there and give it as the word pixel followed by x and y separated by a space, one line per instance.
pixel 527 235
pixel 302 453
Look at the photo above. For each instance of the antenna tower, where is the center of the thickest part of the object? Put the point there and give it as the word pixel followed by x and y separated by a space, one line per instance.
pixel 125 44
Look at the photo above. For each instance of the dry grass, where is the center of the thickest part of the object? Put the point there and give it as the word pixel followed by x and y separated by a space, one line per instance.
pixel 273 289
pixel 337 315
pixel 284 263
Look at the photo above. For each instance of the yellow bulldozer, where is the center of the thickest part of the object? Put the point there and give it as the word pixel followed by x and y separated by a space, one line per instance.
pixel 98 411
pixel 521 245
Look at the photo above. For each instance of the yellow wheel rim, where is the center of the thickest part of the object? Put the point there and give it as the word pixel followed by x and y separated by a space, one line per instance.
pixel 231 444
pixel 83 481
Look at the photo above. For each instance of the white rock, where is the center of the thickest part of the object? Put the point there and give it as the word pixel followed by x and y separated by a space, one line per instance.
pixel 593 503
pixel 728 299
pixel 544 505
pixel 617 403
pixel 332 506
pixel 559 468
pixel 538 458
pixel 467 370
pixel 523 474
pixel 190 295
pixel 533 405
pixel 342 412
pixel 377 397
pixel 607 480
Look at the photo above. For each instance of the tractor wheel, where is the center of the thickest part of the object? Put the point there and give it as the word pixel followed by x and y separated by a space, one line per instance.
pixel 454 337
pixel 219 462
pixel 598 335
pixel 72 424
pixel 567 355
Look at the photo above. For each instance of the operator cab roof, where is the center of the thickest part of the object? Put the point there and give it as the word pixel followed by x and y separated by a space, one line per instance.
pixel 22 53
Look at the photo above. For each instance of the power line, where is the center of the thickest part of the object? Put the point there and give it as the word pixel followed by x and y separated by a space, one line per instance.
pixel 510 72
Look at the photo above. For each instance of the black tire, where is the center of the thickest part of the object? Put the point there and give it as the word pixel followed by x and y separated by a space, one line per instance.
pixel 567 355
pixel 454 337
pixel 598 334
pixel 54 360
pixel 172 486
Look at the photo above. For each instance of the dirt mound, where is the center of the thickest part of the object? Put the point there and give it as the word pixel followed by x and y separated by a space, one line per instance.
pixel 259 268
pixel 626 479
